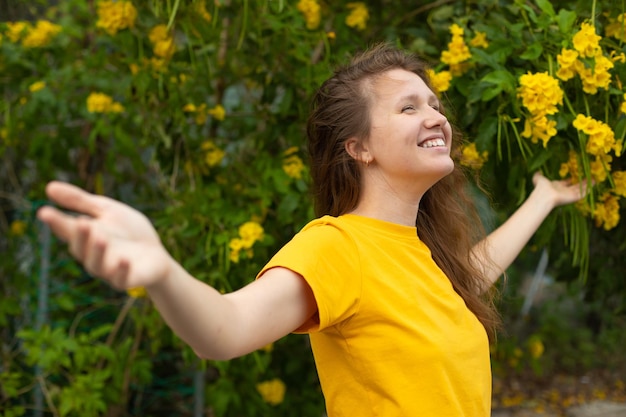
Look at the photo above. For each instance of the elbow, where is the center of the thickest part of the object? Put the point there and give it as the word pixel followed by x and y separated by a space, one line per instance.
pixel 217 354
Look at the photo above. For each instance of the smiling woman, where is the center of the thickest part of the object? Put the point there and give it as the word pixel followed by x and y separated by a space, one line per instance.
pixel 389 281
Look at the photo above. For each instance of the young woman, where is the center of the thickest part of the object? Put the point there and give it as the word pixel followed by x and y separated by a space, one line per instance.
pixel 391 281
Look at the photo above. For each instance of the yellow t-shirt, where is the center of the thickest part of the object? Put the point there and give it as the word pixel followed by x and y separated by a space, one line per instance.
pixel 391 337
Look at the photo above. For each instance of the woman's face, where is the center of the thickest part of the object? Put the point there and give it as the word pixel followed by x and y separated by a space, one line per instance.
pixel 409 141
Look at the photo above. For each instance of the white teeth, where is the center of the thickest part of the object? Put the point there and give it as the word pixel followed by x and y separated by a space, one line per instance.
pixel 433 143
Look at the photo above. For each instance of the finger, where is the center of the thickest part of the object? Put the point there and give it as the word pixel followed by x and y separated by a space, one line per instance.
pixel 94 255
pixel 61 224
pixel 74 198
pixel 121 274
pixel 80 240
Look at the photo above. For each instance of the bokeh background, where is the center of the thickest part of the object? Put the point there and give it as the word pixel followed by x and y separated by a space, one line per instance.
pixel 194 111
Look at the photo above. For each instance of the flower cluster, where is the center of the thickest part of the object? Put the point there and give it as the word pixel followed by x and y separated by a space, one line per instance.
pixel 541 94
pixel 311 11
pixel 600 141
pixel 358 15
pixel 458 54
pixel 162 42
pixel 30 36
pixel 470 157
pixel 200 8
pixel 617 28
pixel 586 60
pixel 37 86
pixel 272 391
pixel 114 16
pixel 212 154
pixel 249 233
pixel 137 292
pixel 202 113
pixel 18 228
pixel 440 81
pixel 292 164
pixel 102 103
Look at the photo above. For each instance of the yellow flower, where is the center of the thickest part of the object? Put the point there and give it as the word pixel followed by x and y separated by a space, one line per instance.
pixel 268 348
pixel 619 179
pixel 606 213
pixel 358 16
pixel 457 53
pixel 200 8
pixel 164 48
pixel 162 41
pixel 235 245
pixel 213 155
pixel 137 292
pixel 114 16
pixel 535 347
pixel 479 40
pixel 566 59
pixel 586 41
pixel 18 228
pixel 36 86
pixel 218 112
pixel 102 103
pixel 440 80
pixel 617 28
pixel 539 127
pixel 293 166
pixel 17 30
pixel 570 167
pixel 41 34
pixel 331 35
pixel 540 93
pixel 600 167
pixel 158 33
pixel 272 391
pixel 470 157
pixel 249 233
pixel 600 137
pixel 190 107
pixel 598 76
pixel 311 11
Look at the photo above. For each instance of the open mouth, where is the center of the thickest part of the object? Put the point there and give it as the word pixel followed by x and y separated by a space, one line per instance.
pixel 432 143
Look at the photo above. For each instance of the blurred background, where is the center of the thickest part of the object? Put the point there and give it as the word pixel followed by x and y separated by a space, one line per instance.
pixel 194 113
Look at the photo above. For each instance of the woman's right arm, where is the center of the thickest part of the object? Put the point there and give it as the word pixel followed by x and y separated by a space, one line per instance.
pixel 118 244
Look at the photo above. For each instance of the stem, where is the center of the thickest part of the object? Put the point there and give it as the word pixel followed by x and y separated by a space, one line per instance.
pixel 48 397
pixel 593 11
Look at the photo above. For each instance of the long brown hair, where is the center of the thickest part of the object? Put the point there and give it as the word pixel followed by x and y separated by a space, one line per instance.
pixel 447 221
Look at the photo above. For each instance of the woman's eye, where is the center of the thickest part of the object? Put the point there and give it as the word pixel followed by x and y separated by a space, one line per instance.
pixel 409 107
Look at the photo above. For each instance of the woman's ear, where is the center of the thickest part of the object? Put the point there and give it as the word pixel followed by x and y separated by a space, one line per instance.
pixel 357 150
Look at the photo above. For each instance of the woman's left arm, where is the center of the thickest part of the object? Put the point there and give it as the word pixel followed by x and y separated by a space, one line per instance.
pixel 500 248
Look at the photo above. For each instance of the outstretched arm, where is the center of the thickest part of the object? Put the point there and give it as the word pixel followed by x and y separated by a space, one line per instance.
pixel 500 248
pixel 119 245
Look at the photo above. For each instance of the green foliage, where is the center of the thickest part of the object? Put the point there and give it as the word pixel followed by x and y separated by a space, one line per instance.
pixel 200 124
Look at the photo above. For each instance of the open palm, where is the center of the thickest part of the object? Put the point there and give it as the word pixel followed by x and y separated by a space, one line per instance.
pixel 112 240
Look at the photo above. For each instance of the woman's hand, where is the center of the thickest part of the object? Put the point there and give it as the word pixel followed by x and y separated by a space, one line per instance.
pixel 558 192
pixel 112 241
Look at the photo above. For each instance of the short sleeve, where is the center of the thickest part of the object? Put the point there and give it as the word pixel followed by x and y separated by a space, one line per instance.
pixel 327 258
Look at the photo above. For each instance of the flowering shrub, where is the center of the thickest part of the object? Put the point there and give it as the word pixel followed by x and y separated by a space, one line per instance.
pixel 194 112
pixel 554 104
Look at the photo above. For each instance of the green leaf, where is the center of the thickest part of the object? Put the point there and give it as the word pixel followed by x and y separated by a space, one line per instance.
pixel 491 92
pixel 546 7
pixel 533 52
pixel 539 159
pixel 565 20
pixel 503 79
pixel 487 132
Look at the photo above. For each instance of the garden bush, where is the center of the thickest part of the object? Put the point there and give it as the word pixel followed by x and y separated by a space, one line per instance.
pixel 194 113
